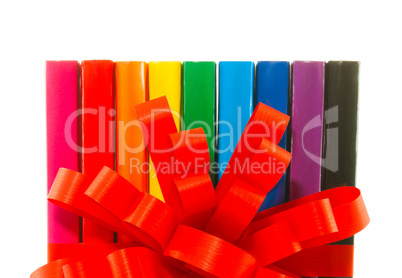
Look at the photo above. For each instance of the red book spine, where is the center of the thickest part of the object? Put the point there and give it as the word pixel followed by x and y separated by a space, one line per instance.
pixel 98 131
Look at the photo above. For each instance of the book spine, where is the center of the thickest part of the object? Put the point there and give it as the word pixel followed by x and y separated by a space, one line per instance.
pixel 272 89
pixel 98 116
pixel 62 139
pixel 340 119
pixel 199 95
pixel 164 80
pixel 131 154
pixel 307 127
pixel 341 99
pixel 236 87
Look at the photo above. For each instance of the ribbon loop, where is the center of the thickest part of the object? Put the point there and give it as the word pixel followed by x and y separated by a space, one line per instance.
pixel 68 192
pixel 198 199
pixel 115 203
pixel 267 166
pixel 272 243
pixel 194 185
pixel 51 270
pixel 113 192
pixel 245 182
pixel 191 150
pixel 349 212
pixel 265 123
pixel 188 190
pixel 208 255
pixel 142 225
pixel 157 124
pixel 236 211
pixel 273 238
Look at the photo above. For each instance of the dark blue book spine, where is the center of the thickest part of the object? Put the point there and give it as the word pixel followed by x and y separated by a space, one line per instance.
pixel 272 89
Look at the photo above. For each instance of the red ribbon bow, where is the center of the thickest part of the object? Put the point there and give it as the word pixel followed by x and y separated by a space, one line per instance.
pixel 199 231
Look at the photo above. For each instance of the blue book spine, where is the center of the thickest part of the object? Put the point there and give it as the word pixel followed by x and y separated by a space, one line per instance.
pixel 272 89
pixel 236 104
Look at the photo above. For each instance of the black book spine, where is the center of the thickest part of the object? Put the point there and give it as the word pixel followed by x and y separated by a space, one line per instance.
pixel 340 132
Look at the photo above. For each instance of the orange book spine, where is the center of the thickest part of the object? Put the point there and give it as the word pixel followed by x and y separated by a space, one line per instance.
pixel 131 89
pixel 131 154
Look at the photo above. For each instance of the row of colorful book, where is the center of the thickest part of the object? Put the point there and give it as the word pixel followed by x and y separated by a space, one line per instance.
pixel 91 122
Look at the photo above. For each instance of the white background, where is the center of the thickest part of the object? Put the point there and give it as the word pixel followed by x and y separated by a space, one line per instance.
pixel 34 31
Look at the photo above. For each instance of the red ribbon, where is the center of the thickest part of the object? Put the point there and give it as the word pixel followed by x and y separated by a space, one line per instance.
pixel 199 231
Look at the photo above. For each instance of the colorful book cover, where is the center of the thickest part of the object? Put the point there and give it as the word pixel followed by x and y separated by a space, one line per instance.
pixel 199 97
pixel 340 119
pixel 164 80
pixel 131 155
pixel 307 128
pixel 272 89
pixel 98 132
pixel 236 104
pixel 62 143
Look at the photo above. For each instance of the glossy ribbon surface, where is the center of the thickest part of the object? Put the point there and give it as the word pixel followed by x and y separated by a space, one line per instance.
pixel 200 232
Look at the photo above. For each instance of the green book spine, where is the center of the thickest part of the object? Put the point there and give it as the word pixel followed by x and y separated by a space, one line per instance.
pixel 199 96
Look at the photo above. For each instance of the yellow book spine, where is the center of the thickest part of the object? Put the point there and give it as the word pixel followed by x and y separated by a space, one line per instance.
pixel 164 80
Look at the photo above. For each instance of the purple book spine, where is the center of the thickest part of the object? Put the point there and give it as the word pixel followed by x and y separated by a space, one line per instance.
pixel 307 128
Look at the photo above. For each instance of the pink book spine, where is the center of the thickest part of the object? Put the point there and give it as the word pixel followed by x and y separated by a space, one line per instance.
pixel 62 150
